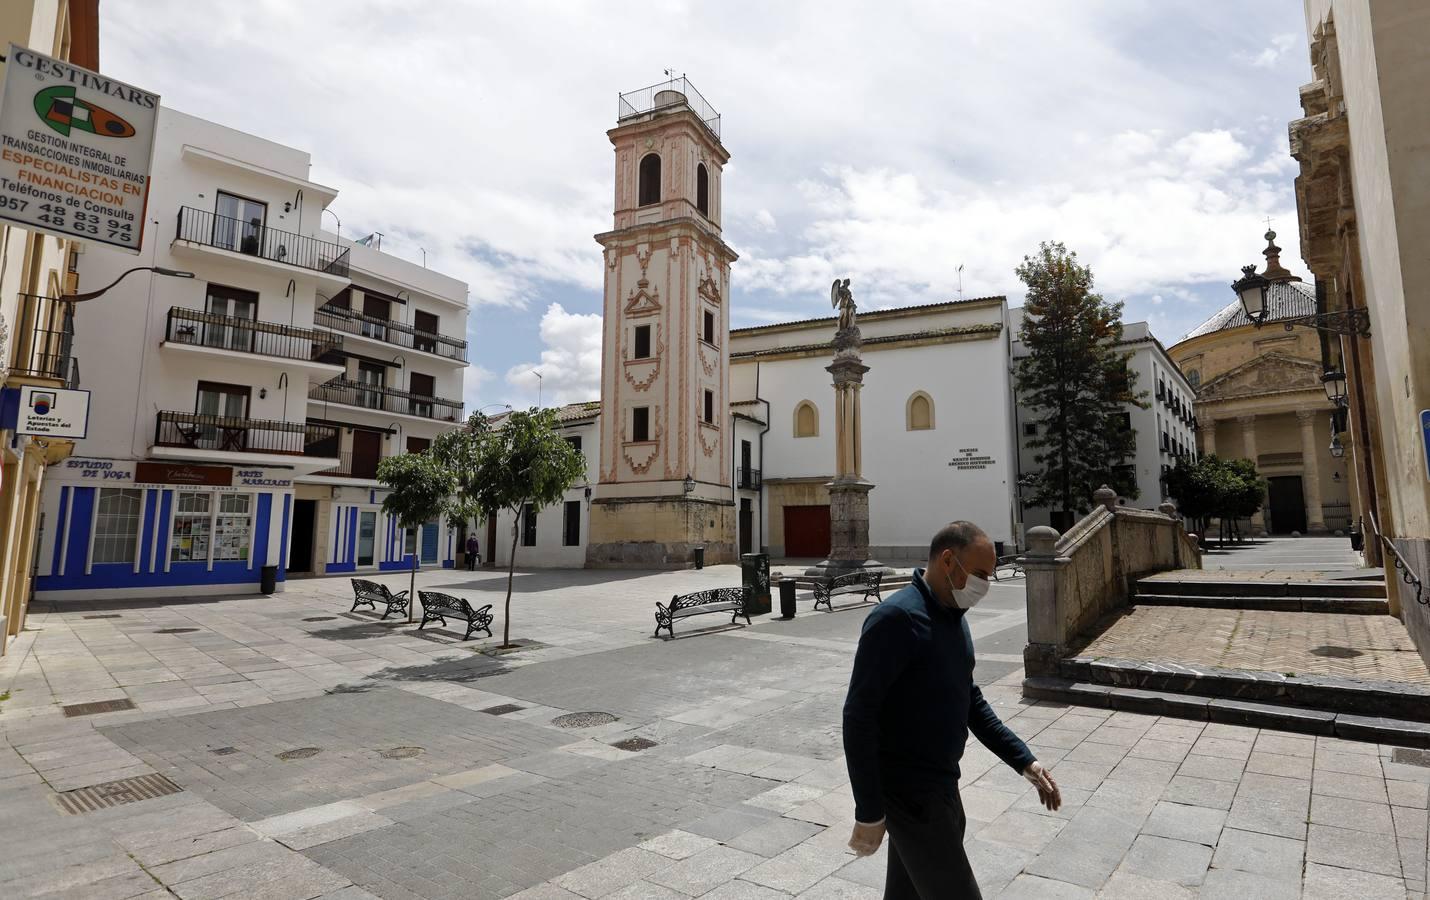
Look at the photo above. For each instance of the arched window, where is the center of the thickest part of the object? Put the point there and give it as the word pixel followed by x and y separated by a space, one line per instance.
pixel 918 412
pixel 650 179
pixel 702 190
pixel 806 420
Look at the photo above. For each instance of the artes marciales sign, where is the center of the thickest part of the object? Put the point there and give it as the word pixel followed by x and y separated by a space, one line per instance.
pixel 75 150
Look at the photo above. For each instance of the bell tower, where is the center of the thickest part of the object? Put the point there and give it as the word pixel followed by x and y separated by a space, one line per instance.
pixel 664 480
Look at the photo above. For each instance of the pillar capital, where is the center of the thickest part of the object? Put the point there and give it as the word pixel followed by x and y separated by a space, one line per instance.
pixel 1307 416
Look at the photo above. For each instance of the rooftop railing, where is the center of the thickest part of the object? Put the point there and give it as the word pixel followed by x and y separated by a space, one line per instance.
pixel 668 95
pixel 253 238
pixel 353 322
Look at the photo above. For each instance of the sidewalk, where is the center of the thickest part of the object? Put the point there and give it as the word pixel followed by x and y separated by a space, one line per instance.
pixel 320 754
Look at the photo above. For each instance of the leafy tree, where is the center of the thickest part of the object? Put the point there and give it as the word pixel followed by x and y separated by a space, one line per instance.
pixel 1211 487
pixel 523 462
pixel 1076 383
pixel 460 452
pixel 419 487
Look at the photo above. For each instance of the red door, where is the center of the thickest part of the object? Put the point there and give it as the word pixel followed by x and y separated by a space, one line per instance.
pixel 807 531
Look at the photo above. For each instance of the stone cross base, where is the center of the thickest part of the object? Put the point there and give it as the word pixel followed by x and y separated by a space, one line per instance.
pixel 849 531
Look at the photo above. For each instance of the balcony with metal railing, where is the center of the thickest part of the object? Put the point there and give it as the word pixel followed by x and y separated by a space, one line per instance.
pixel 209 436
pixel 43 341
pixel 385 399
pixel 351 321
pixel 352 467
pixel 251 238
pixel 192 328
pixel 748 479
pixel 668 96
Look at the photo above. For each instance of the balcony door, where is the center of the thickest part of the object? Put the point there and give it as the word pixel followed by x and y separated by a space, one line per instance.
pixel 231 303
pixel 367 452
pixel 422 386
pixel 373 379
pixel 367 539
pixel 375 308
pixel 238 225
pixel 223 415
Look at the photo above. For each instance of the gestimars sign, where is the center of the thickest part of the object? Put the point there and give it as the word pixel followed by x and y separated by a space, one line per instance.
pixel 75 150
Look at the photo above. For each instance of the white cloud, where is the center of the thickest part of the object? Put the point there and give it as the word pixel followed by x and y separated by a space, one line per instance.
pixel 570 363
pixel 1281 45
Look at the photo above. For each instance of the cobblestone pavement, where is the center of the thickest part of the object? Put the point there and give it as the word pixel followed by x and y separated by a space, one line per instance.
pixel 1375 648
pixel 345 758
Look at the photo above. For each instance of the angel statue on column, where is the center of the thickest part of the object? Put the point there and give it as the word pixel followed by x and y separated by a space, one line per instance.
pixel 841 299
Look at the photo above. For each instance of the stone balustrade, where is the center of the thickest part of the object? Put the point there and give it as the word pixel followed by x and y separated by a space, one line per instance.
pixel 1076 579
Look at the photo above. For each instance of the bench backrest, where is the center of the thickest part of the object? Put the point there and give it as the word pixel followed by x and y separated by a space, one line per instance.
pixel 434 600
pixel 364 588
pixel 869 578
pixel 714 595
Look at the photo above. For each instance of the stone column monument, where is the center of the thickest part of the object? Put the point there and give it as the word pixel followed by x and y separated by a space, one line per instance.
pixel 848 492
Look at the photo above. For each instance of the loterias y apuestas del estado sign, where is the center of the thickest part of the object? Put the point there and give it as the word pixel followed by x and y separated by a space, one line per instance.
pixel 75 150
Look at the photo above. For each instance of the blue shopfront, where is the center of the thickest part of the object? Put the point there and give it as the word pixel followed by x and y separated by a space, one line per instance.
pixel 362 538
pixel 120 528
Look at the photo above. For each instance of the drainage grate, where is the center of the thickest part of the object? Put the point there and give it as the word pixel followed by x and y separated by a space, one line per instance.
pixel 320 618
pixel 105 616
pixel 503 709
pixel 299 753
pixel 175 630
pixel 401 753
pixel 224 751
pixel 634 744
pixel 1411 757
pixel 1334 652
pixel 583 720
pixel 99 706
pixel 113 793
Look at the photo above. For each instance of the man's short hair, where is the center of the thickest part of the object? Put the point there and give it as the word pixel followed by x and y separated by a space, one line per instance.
pixel 955 536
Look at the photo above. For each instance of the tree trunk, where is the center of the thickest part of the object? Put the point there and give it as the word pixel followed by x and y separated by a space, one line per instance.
pixel 510 571
pixel 412 587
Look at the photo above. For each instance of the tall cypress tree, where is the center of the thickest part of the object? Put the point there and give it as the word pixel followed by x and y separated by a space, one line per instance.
pixel 1075 383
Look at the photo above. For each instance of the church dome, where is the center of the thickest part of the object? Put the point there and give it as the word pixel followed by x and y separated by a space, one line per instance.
pixel 1286 297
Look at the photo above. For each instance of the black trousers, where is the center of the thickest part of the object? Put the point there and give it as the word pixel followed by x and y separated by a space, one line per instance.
pixel 926 856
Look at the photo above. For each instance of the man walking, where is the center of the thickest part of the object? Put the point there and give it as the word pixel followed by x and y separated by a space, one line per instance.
pixel 474 552
pixel 911 704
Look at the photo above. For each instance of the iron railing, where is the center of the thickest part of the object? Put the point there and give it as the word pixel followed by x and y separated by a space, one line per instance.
pixel 201 329
pixel 254 239
pixel 44 340
pixel 354 322
pixel 1407 572
pixel 369 396
pixel 669 94
pixel 748 479
pixel 234 434
pixel 347 467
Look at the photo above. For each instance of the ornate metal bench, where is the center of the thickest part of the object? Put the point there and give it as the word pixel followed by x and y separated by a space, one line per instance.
pixel 731 600
pixel 1009 563
pixel 438 607
pixel 370 593
pixel 866 583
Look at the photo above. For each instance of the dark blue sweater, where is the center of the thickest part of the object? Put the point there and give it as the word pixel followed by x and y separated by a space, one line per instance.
pixel 912 702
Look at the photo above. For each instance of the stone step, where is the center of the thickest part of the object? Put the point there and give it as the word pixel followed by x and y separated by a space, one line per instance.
pixel 1396 700
pixel 1206 587
pixel 1370 606
pixel 1350 726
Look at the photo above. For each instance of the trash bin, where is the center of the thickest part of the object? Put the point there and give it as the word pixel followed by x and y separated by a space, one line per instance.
pixel 787 588
pixel 269 579
pixel 1357 539
pixel 755 576
pixel 699 553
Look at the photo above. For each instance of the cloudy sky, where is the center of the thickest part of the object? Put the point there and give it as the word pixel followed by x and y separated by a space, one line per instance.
pixel 886 142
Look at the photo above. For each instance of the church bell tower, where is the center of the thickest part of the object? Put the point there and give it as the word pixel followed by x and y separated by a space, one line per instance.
pixel 664 480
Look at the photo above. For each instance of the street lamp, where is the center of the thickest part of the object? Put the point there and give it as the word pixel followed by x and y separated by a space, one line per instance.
pixel 157 270
pixel 689 485
pixel 1334 383
pixel 1252 288
pixel 1337 448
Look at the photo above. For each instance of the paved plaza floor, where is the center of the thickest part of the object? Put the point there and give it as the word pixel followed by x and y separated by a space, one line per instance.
pixel 283 747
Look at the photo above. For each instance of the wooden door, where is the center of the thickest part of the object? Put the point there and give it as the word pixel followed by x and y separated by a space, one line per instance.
pixel 1287 506
pixel 747 525
pixel 367 451
pixel 806 531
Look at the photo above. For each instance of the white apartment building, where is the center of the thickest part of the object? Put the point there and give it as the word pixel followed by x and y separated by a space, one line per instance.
pixel 237 416
pixel 1165 429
